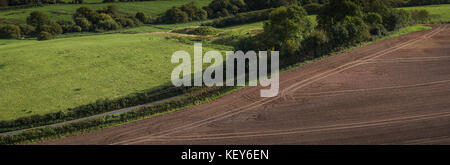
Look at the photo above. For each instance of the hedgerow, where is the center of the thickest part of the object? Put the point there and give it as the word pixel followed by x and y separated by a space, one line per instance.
pixel 240 18
pixel 194 98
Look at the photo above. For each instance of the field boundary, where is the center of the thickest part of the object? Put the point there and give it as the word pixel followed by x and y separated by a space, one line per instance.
pixel 130 115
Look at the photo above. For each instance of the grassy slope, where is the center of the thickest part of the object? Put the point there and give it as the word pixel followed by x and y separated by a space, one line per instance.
pixel 53 75
pixel 439 13
pixel 65 11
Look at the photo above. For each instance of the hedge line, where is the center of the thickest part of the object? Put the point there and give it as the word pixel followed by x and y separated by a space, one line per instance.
pixel 6 8
pixel 198 97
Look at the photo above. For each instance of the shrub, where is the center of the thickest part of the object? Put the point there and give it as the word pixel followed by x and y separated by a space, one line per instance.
pixel 44 36
pixel 223 8
pixel 312 8
pixel 105 22
pixel 76 28
pixel 27 30
pixel 175 15
pixel 241 18
pixel 202 30
pixel 185 13
pixel 83 23
pixel 55 28
pixel 194 12
pixel 373 19
pixel 141 17
pixel 85 12
pixel 38 19
pixel 397 19
pixel 10 31
pixel 420 16
pixel 258 4
pixel 336 11
pixel 349 31
pixel 316 44
pixel 67 26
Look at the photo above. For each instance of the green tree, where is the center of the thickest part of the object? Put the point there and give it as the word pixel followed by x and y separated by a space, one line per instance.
pixel 10 31
pixel 27 30
pixel 175 15
pixel 373 19
pixel 141 17
pixel 312 8
pixel 223 8
pixel 85 12
pixel 397 19
pixel 336 11
pixel 287 27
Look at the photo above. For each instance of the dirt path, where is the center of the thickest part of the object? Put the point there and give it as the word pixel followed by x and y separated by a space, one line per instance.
pixel 396 91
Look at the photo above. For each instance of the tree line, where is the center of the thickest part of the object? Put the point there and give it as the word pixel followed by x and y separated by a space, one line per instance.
pixel 85 19
pixel 340 24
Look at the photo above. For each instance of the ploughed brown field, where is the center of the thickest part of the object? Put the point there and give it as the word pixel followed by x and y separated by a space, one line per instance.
pixel 395 91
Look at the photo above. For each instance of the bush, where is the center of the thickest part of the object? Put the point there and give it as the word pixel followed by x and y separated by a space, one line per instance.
pixel 185 13
pixel 223 8
pixel 10 31
pixel 105 22
pixel 86 12
pixel 53 28
pixel 336 11
pixel 141 17
pixel 202 30
pixel 312 8
pixel 99 106
pixel 373 19
pixel 349 31
pixel 194 12
pixel 397 19
pixel 287 28
pixel 76 28
pixel 420 16
pixel 316 44
pixel 175 15
pixel 241 18
pixel 27 30
pixel 83 23
pixel 38 19
pixel 44 36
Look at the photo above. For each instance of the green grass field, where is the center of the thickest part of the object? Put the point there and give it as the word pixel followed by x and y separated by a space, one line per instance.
pixel 65 11
pixel 439 13
pixel 38 77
